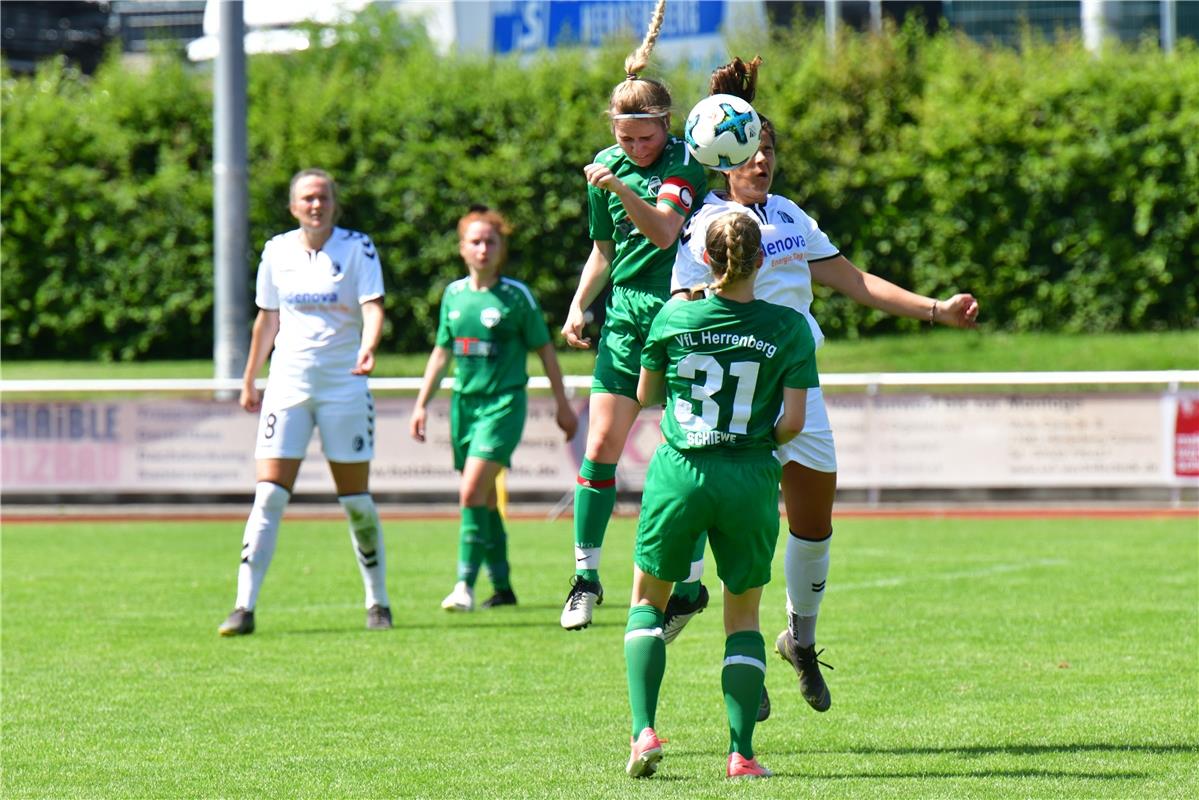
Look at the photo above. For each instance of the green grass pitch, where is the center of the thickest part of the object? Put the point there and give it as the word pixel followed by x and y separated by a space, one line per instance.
pixel 974 658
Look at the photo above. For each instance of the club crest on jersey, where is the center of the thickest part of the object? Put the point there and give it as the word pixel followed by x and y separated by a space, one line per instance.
pixel 454 314
pixel 653 185
pixel 490 317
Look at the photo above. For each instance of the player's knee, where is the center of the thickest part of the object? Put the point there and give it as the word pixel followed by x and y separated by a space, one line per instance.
pixel 472 496
pixel 270 497
pixel 810 527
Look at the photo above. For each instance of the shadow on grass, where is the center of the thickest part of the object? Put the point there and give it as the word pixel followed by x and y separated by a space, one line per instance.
pixel 1009 750
pixel 924 775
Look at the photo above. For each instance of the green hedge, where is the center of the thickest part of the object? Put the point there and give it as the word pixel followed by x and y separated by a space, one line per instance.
pixel 1061 189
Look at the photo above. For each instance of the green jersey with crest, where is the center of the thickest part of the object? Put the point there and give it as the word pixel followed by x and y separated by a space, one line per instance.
pixel 726 364
pixel 676 179
pixel 490 333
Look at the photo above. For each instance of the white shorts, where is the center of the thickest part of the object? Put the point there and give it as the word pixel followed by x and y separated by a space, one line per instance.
pixel 813 447
pixel 347 427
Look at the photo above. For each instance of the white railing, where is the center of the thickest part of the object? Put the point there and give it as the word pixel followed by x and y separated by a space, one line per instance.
pixel 870 380
pixel 1082 431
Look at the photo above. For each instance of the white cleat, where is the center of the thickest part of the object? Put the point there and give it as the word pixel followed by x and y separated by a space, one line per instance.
pixel 461 599
pixel 584 596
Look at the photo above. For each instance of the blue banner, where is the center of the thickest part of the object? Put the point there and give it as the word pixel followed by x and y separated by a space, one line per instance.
pixel 527 25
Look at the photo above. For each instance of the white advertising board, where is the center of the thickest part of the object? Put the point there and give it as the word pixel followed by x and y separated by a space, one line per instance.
pixel 921 440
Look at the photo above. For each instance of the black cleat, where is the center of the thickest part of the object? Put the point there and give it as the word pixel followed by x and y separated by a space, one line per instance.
pixel 764 706
pixel 239 623
pixel 584 596
pixel 378 618
pixel 807 666
pixel 679 612
pixel 502 597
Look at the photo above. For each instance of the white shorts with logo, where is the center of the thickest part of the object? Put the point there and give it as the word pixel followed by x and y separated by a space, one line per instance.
pixel 346 423
pixel 813 447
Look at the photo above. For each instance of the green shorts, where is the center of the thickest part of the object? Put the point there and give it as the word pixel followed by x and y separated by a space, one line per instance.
pixel 629 314
pixel 486 427
pixel 734 496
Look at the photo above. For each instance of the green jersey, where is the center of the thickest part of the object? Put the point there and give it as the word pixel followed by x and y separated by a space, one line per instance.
pixel 726 364
pixel 676 179
pixel 490 333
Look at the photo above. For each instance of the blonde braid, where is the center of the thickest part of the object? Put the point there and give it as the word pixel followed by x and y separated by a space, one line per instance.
pixel 637 97
pixel 639 58
pixel 732 242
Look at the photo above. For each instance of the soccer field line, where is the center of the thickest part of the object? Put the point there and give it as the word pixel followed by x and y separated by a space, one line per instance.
pixel 391 513
pixel 994 569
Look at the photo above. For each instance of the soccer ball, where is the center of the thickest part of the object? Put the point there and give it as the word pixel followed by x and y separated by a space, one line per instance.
pixel 722 131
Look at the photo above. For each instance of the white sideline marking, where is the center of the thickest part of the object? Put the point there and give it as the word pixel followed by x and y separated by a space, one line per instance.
pixel 994 569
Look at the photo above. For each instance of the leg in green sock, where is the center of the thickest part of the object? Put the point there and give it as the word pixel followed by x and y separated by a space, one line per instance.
pixel 741 678
pixel 472 542
pixel 645 661
pixel 595 497
pixel 496 556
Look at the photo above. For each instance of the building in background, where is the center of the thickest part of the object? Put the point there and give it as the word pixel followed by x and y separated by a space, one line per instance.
pixel 32 32
pixel 84 31
pixel 694 29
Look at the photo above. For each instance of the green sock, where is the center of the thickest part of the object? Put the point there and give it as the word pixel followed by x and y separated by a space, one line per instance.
pixel 595 497
pixel 472 542
pixel 689 590
pixel 742 678
pixel 645 660
pixel 496 557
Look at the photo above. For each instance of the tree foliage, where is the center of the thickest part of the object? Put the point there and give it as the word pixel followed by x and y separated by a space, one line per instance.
pixel 1061 189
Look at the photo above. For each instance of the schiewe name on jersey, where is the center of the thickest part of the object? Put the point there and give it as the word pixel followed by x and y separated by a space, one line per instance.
pixel 696 339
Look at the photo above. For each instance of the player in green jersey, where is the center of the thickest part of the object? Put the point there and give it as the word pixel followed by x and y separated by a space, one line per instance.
pixel 798 255
pixel 727 363
pixel 640 192
pixel 488 324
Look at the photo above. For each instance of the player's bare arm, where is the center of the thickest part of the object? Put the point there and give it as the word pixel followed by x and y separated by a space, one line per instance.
pixel 372 332
pixel 660 223
pixel 651 388
pixel 959 311
pixel 566 418
pixel 595 276
pixel 262 339
pixel 435 369
pixel 795 403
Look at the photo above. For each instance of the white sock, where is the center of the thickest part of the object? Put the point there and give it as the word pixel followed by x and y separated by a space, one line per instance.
pixel 258 542
pixel 805 566
pixel 366 534
pixel 587 557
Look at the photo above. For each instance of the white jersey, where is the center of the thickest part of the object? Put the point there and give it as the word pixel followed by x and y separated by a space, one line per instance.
pixel 790 239
pixel 319 296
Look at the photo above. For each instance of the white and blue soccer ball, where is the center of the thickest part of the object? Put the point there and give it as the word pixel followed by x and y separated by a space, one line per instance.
pixel 722 131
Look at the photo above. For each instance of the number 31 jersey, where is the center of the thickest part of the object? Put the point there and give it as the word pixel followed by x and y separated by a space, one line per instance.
pixel 726 364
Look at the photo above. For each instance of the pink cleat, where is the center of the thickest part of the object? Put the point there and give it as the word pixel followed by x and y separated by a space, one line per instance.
pixel 647 752
pixel 742 767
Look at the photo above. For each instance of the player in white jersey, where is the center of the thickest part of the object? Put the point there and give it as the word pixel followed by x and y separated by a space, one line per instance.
pixel 320 308
pixel 797 253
